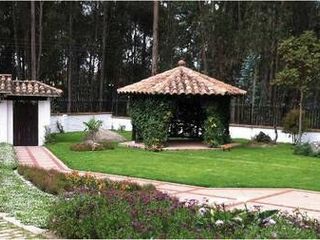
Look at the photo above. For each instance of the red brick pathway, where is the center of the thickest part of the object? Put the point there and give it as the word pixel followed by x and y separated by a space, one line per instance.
pixel 267 198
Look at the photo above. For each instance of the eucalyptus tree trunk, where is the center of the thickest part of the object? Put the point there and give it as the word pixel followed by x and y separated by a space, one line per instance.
pixel 33 43
pixel 155 37
pixel 300 116
pixel 40 38
pixel 70 61
pixel 16 47
pixel 103 55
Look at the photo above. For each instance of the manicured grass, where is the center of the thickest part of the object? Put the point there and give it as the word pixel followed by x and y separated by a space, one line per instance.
pixel 241 167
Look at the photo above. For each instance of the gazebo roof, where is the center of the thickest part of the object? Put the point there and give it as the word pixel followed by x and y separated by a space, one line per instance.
pixel 9 87
pixel 181 80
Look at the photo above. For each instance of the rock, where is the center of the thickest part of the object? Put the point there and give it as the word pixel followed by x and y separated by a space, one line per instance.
pixel 262 138
pixel 315 147
pixel 107 135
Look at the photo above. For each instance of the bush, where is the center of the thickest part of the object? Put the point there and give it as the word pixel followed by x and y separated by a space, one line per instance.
pixel 291 124
pixel 55 182
pixel 82 147
pixel 262 138
pixel 51 181
pixel 119 214
pixel 305 149
pixel 7 156
pixel 214 132
pixel 49 137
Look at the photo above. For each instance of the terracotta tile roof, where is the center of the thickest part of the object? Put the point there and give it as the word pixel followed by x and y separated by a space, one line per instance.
pixel 181 80
pixel 11 87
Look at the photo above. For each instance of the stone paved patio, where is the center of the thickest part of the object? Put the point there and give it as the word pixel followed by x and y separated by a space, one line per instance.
pixel 268 198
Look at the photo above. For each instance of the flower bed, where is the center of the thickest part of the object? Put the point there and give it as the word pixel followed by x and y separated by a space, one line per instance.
pixel 99 208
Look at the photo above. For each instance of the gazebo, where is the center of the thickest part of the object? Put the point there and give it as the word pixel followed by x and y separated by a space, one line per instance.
pixel 180 104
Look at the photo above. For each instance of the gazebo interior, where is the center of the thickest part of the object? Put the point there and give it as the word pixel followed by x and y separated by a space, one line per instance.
pixel 177 101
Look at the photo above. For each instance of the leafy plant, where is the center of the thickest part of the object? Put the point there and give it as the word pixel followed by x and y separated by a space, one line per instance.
pixel 92 127
pixel 151 117
pixel 49 137
pixel 85 146
pixel 301 58
pixel 214 131
pixel 291 124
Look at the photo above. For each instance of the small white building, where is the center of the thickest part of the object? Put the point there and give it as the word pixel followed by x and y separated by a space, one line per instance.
pixel 24 110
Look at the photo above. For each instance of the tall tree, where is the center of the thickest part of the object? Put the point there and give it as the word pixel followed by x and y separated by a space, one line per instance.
pixel 33 42
pixel 301 58
pixel 155 42
pixel 40 38
pixel 70 58
pixel 103 54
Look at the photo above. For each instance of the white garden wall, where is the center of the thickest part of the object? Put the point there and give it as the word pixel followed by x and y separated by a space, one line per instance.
pixel 6 121
pixel 248 132
pixel 74 122
pixel 44 111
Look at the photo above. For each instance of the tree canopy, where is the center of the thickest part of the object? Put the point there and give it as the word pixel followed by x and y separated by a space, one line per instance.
pixel 90 48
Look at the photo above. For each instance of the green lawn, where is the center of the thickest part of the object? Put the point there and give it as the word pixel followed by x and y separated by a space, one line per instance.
pixel 241 167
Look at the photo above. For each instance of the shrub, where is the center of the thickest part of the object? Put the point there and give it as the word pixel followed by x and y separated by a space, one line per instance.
pixel 50 181
pixel 214 132
pixel 81 147
pixel 291 124
pixel 92 127
pixel 7 156
pixel 49 137
pixel 119 214
pixel 305 149
pixel 55 182
pixel 262 138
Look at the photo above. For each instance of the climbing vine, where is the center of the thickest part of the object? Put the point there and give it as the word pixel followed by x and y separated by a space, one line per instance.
pixel 151 117
pixel 216 130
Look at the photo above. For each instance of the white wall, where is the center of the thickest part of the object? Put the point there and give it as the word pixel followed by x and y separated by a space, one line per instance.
pixel 74 122
pixel 6 121
pixel 10 121
pixel 248 132
pixel 44 118
pixel 3 121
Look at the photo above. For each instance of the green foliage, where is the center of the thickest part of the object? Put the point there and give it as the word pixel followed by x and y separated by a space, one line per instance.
pixel 7 156
pixel 291 124
pixel 85 146
pixel 51 181
pixel 49 137
pixel 92 127
pixel 305 149
pixel 214 130
pixel 151 116
pixel 118 214
pixel 301 57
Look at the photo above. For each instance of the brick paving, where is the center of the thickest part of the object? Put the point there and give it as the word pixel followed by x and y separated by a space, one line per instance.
pixel 10 231
pixel 267 198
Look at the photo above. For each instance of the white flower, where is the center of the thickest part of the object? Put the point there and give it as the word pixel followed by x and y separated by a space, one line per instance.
pixel 269 221
pixel 202 211
pixel 219 222
pixel 238 219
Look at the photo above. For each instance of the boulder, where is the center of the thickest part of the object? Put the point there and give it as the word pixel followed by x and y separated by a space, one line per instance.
pixel 106 135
